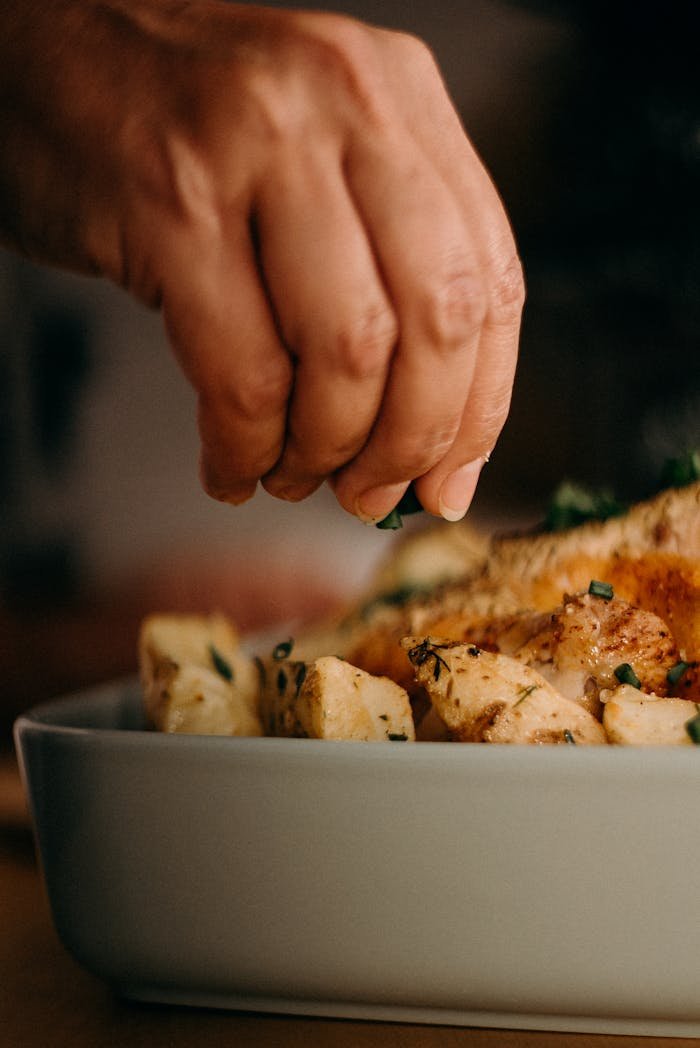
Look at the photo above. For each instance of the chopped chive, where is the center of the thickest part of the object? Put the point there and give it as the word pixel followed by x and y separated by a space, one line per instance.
pixel 693 726
pixel 524 692
pixel 677 472
pixel 408 503
pixel 397 736
pixel 283 650
pixel 676 672
pixel 300 675
pixel 221 665
pixel 573 504
pixel 384 716
pixel 392 521
pixel 281 681
pixel 600 589
pixel 626 675
pixel 568 737
pixel 260 666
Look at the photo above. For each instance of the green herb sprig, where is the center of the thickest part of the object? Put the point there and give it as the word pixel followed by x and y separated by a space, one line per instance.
pixel 408 503
pixel 222 666
pixel 693 726
pixel 626 675
pixel 601 589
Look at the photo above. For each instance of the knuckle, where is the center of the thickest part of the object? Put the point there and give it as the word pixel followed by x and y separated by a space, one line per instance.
pixel 256 392
pixel 487 415
pixel 415 453
pixel 361 349
pixel 507 297
pixel 454 309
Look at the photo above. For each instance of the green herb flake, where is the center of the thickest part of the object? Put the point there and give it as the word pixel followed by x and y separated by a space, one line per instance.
pixel 408 503
pixel 678 472
pixel 573 504
pixel 221 665
pixel 600 589
pixel 397 736
pixel 524 692
pixel 676 672
pixel 260 666
pixel 283 650
pixel 392 521
pixel 693 726
pixel 569 738
pixel 384 716
pixel 626 675
pixel 281 682
pixel 300 676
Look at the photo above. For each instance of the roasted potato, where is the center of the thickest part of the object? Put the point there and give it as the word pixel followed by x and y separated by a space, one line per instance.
pixel 196 678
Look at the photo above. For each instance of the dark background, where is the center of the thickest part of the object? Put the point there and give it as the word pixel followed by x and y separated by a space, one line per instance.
pixel 588 116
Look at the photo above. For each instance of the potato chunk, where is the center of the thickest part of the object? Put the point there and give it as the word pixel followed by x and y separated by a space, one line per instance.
pixel 634 718
pixel 330 699
pixel 486 697
pixel 195 677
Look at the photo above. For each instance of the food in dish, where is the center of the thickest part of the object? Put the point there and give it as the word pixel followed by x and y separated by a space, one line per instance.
pixel 587 636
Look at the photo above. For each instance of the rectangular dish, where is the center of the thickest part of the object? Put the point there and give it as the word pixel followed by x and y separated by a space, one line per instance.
pixel 540 887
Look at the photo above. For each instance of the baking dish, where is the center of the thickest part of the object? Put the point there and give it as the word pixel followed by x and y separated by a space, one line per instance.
pixel 541 887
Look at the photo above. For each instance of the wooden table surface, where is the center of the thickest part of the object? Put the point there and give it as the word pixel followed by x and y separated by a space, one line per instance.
pixel 48 1001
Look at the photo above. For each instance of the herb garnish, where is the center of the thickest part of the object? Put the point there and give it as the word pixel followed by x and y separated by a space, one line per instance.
pixel 221 665
pixel 568 737
pixel 600 589
pixel 281 681
pixel 300 676
pixel 677 671
pixel 524 692
pixel 693 726
pixel 626 675
pixel 427 650
pixel 283 650
pixel 573 504
pixel 397 736
pixel 677 472
pixel 394 598
pixel 408 503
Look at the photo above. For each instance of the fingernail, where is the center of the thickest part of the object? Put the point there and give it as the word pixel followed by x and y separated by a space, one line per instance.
pixel 458 489
pixel 374 504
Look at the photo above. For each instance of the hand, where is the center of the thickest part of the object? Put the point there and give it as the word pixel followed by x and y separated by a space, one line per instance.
pixel 336 272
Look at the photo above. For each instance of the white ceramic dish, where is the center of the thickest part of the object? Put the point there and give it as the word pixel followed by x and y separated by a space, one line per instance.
pixel 549 888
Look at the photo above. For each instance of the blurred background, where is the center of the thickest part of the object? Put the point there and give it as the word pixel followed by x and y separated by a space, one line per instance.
pixel 588 116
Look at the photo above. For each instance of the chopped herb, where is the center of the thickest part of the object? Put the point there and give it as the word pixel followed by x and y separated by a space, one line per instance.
pixel 221 665
pixel 524 692
pixel 427 650
pixel 626 675
pixel 392 521
pixel 408 503
pixel 260 666
pixel 283 650
pixel 300 675
pixel 677 472
pixel 473 651
pixel 397 736
pixel 281 681
pixel 573 504
pixel 693 726
pixel 600 589
pixel 384 716
pixel 568 737
pixel 677 671
pixel 394 598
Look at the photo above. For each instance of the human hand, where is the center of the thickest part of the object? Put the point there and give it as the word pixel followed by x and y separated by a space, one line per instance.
pixel 336 272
